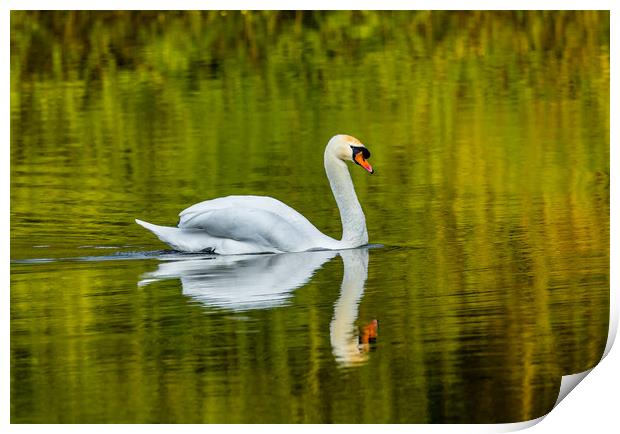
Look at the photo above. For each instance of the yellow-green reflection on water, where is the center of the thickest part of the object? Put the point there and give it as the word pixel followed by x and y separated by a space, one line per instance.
pixel 490 137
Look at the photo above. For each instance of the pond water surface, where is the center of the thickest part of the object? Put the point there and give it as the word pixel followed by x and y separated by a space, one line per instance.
pixel 487 277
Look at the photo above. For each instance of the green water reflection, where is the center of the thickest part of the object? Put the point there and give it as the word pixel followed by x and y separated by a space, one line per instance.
pixel 490 136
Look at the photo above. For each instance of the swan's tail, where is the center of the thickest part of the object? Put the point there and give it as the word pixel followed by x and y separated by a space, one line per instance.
pixel 184 240
pixel 162 232
pixel 166 234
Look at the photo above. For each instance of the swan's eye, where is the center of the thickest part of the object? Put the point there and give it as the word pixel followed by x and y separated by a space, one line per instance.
pixel 357 149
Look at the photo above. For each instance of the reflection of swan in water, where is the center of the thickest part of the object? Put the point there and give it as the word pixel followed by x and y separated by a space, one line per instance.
pixel 349 348
pixel 242 282
pixel 264 281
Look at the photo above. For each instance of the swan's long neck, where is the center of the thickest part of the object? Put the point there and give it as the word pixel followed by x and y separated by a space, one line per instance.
pixel 354 232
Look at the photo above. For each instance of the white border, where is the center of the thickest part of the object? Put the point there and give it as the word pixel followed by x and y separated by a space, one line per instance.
pixel 593 407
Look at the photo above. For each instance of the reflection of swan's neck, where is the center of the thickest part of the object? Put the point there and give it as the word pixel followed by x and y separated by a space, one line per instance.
pixel 354 232
pixel 343 336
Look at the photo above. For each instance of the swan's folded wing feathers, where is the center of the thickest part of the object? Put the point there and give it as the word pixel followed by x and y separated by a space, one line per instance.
pixel 247 202
pixel 192 217
pixel 259 220
pixel 245 224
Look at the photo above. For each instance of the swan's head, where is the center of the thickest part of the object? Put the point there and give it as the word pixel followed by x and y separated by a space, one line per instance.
pixel 348 148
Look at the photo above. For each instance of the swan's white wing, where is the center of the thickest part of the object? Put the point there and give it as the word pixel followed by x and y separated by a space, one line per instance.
pixel 191 217
pixel 259 220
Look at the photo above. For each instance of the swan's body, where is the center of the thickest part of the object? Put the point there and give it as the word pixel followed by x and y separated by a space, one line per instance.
pixel 260 224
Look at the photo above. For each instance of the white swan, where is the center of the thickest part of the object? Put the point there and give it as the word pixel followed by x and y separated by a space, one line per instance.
pixel 260 224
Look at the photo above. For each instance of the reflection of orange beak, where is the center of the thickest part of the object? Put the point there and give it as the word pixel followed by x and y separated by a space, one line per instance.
pixel 369 332
pixel 359 158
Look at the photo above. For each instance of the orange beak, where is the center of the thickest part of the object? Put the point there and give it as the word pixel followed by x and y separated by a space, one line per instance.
pixel 359 159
